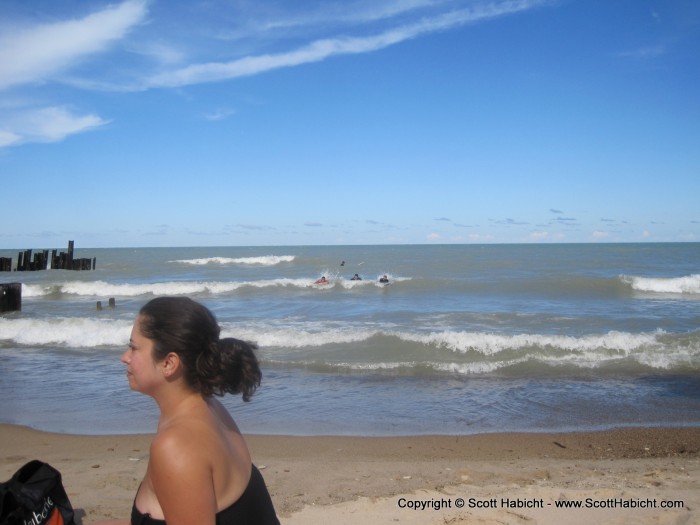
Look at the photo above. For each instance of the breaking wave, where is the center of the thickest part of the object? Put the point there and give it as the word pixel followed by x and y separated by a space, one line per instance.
pixel 102 288
pixel 265 260
pixel 370 347
pixel 689 284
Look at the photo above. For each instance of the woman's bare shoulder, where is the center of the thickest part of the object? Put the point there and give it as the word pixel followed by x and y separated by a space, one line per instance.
pixel 181 444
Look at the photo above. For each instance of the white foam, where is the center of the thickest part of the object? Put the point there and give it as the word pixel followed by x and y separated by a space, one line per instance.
pixel 102 288
pixel 474 352
pixel 37 290
pixel 689 284
pixel 289 337
pixel 265 260
pixel 70 332
pixel 490 344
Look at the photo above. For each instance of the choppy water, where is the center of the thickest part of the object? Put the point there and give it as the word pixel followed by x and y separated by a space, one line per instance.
pixel 464 339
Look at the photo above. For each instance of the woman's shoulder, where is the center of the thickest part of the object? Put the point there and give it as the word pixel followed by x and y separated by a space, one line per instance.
pixel 180 440
pixel 188 435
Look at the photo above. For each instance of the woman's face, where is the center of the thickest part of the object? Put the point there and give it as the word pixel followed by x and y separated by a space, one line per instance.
pixel 141 370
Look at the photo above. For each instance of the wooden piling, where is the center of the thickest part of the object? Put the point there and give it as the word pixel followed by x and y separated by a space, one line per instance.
pixel 10 297
pixel 70 254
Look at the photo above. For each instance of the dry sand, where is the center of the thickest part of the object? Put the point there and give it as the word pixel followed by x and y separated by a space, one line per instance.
pixel 366 481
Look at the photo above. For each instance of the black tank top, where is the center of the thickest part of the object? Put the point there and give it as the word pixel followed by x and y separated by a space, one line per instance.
pixel 254 507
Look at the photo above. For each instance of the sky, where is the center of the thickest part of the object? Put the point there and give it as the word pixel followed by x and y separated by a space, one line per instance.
pixel 141 123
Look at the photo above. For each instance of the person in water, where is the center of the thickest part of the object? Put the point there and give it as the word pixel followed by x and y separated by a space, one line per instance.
pixel 384 279
pixel 199 468
pixel 356 278
pixel 322 280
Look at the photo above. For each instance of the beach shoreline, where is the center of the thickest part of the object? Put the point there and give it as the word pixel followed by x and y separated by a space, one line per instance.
pixel 367 480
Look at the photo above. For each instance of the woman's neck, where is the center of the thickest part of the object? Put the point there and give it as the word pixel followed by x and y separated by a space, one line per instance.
pixel 178 402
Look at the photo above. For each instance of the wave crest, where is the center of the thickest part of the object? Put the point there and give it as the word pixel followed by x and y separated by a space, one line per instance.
pixel 689 284
pixel 71 332
pixel 102 288
pixel 264 260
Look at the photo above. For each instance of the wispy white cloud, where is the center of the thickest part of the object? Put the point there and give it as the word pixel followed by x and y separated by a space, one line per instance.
pixel 219 114
pixel 160 52
pixel 644 52
pixel 323 49
pixel 9 138
pixel 265 21
pixel 49 124
pixel 345 13
pixel 36 54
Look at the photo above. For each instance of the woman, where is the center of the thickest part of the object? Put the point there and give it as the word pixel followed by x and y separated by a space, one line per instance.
pixel 199 468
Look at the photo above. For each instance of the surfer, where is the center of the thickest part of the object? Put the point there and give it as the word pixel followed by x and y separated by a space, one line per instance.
pixel 356 278
pixel 384 279
pixel 322 280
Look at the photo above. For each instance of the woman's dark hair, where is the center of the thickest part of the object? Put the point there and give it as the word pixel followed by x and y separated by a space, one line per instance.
pixel 212 366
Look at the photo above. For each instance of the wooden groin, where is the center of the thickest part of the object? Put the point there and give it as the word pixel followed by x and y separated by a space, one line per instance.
pixel 43 261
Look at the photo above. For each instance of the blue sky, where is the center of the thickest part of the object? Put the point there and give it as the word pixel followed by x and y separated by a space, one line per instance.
pixel 270 122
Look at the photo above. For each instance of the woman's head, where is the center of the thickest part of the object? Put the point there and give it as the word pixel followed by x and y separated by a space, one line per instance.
pixel 211 366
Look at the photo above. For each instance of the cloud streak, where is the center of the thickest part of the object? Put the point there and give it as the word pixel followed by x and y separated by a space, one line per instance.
pixel 50 124
pixel 39 53
pixel 323 49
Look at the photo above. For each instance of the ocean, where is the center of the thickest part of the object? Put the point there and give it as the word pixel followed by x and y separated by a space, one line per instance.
pixel 464 339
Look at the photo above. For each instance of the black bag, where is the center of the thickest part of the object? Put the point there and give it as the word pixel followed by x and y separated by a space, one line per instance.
pixel 35 496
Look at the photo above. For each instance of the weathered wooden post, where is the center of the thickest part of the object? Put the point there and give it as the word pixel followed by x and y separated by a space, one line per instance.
pixel 70 255
pixel 10 297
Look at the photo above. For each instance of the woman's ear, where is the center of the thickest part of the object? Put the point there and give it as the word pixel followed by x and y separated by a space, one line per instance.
pixel 171 365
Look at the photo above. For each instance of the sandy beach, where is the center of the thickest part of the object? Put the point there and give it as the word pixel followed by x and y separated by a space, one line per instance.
pixel 618 476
